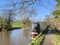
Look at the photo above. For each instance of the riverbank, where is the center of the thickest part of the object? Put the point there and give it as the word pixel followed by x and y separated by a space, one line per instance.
pixel 51 38
pixel 37 40
pixel 17 24
pixel 12 28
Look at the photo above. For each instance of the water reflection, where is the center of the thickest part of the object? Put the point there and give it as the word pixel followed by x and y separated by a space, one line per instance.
pixel 15 37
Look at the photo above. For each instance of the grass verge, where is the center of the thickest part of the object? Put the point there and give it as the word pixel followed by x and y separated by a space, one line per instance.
pixel 37 40
pixel 57 41
pixel 57 38
pixel 17 24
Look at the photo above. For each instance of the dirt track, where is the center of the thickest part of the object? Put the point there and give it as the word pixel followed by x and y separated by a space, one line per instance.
pixel 49 40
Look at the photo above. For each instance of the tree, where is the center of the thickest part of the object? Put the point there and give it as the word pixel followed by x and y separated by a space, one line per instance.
pixel 58 1
pixel 56 13
pixel 21 7
pixel 1 22
pixel 27 24
pixel 15 10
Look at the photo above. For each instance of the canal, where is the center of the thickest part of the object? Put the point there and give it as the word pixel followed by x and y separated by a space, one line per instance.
pixel 15 37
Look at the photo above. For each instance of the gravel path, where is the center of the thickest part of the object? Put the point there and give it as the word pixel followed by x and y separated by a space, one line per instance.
pixel 49 39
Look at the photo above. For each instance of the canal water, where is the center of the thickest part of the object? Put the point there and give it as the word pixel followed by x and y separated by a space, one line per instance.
pixel 15 37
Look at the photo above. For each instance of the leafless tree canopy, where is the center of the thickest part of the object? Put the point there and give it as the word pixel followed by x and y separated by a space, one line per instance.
pixel 23 4
pixel 23 7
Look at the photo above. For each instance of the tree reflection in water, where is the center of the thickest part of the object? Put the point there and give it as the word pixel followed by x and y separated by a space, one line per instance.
pixel 15 37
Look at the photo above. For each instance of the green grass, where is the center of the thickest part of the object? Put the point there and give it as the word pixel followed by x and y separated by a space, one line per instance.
pixel 57 41
pixel 17 24
pixel 57 38
pixel 37 40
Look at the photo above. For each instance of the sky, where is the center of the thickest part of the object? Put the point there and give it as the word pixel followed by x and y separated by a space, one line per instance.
pixel 42 10
pixel 45 8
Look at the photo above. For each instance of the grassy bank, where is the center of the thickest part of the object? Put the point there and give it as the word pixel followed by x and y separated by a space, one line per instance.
pixel 37 40
pixel 57 38
pixel 17 24
pixel 57 41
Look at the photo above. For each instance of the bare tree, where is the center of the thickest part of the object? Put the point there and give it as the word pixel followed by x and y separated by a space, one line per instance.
pixel 21 7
